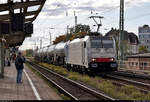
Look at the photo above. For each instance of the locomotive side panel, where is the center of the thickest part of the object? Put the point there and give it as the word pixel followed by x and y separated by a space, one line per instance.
pixel 75 52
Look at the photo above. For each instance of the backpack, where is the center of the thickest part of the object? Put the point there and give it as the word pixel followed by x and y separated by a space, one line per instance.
pixel 17 63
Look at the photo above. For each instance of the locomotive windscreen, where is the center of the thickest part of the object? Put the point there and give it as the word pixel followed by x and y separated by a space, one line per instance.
pixel 96 44
pixel 107 43
pixel 101 42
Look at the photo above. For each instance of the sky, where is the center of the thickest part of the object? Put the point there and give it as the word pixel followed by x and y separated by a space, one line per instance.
pixel 53 18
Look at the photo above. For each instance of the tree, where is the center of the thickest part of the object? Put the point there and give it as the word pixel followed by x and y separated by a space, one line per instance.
pixel 126 47
pixel 82 28
pixel 78 35
pixel 29 52
pixel 143 49
pixel 81 31
pixel 60 39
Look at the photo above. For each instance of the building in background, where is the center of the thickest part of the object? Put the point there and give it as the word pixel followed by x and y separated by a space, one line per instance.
pixel 138 62
pixel 130 41
pixel 144 36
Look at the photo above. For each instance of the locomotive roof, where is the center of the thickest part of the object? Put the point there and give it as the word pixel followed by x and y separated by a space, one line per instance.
pixel 85 38
pixel 76 40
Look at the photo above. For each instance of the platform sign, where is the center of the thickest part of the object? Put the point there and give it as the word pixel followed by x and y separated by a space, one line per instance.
pixel 4 28
pixel 17 22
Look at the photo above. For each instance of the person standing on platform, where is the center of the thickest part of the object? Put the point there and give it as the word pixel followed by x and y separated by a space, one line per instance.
pixel 14 57
pixel 19 66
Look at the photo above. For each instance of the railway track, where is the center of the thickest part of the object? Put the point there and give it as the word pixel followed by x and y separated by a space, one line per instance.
pixel 71 88
pixel 141 79
pixel 132 74
pixel 141 84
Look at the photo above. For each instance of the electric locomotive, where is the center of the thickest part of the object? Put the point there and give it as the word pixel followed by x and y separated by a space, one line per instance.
pixel 91 53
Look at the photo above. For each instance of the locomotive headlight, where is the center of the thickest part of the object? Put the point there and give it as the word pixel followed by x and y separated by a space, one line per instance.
pixel 112 59
pixel 93 59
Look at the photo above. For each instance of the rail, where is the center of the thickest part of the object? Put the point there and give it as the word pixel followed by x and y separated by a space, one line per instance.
pixel 140 84
pixel 73 89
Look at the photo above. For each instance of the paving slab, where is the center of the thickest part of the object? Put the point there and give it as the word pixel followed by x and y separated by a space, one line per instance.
pixel 10 90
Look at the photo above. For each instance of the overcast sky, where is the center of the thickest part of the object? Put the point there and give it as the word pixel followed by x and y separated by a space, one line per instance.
pixel 53 15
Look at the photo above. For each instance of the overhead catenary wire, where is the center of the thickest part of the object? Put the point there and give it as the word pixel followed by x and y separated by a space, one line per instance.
pixel 52 11
pixel 137 17
pixel 66 21
pixel 109 10
pixel 102 12
pixel 83 15
pixel 113 8
pixel 133 18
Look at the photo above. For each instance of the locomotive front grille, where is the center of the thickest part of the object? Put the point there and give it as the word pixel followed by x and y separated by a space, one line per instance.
pixel 103 66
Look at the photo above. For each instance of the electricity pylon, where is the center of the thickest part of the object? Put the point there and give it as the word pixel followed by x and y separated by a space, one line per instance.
pixel 121 29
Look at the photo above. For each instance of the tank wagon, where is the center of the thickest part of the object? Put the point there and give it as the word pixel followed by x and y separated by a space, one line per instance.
pixel 59 54
pixel 50 54
pixel 88 54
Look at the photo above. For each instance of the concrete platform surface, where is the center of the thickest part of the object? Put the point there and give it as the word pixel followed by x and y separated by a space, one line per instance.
pixel 32 88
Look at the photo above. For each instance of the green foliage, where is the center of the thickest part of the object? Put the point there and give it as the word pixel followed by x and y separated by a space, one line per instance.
pixel 73 75
pixel 57 69
pixel 65 97
pixel 124 92
pixel 60 39
pixel 82 28
pixel 147 97
pixel 29 53
pixel 143 49
pixel 126 47
pixel 68 36
pixel 133 92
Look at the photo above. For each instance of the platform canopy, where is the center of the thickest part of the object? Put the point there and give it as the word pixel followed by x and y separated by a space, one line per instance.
pixel 29 8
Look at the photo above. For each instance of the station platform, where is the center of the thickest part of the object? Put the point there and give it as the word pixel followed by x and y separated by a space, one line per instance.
pixel 32 88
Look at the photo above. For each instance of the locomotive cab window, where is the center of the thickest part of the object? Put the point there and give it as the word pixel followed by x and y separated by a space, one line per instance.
pixel 101 42
pixel 96 44
pixel 108 43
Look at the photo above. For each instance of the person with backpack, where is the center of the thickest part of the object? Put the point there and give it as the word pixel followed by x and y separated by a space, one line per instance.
pixel 19 66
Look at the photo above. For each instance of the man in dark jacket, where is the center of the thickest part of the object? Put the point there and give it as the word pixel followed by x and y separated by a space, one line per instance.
pixel 19 66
